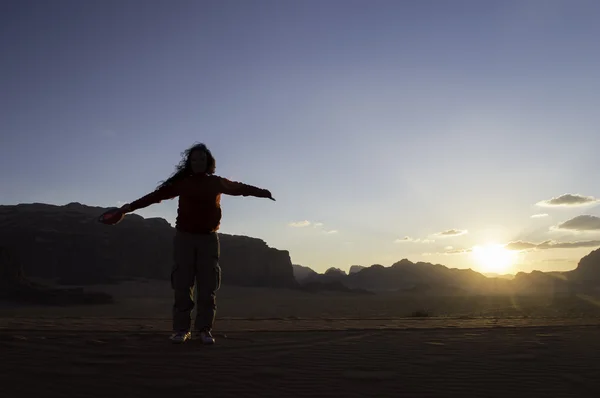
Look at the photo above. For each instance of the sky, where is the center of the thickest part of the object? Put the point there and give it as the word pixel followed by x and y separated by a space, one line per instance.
pixel 384 129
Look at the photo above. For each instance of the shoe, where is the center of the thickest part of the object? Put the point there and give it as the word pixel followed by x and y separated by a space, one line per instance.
pixel 206 337
pixel 181 336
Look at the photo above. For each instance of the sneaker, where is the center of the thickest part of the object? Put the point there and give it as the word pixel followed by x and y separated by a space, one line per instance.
pixel 181 336
pixel 206 337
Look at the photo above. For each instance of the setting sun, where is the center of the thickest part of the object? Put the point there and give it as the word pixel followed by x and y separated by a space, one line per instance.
pixel 494 258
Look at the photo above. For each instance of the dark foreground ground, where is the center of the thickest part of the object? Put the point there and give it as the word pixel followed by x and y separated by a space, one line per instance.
pixel 404 358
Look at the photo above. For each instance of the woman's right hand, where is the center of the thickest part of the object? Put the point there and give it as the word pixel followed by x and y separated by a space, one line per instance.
pixel 267 194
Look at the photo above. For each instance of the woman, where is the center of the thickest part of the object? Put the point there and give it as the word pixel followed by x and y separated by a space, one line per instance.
pixel 196 242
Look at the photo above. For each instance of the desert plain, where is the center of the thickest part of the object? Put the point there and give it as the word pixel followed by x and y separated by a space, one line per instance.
pixel 283 342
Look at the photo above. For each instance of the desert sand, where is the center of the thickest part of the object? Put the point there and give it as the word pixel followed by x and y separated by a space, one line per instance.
pixel 336 349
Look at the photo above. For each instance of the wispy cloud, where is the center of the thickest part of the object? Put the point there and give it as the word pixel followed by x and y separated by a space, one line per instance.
pixel 559 260
pixel 451 232
pixel 408 239
pixel 458 251
pixel 569 200
pixel 449 251
pixel 317 225
pixel 583 223
pixel 539 215
pixel 550 244
pixel 299 224
pixel 520 245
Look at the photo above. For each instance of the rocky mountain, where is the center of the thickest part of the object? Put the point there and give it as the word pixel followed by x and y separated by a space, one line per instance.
pixel 356 268
pixel 301 272
pixel 538 281
pixel 496 275
pixel 421 277
pixel 405 275
pixel 67 243
pixel 330 281
pixel 330 277
pixel 587 272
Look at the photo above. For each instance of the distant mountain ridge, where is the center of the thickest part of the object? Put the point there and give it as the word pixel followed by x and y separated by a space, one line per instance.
pixel 424 277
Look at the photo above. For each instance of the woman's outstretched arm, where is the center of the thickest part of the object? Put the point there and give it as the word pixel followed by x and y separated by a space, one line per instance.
pixel 166 192
pixel 236 188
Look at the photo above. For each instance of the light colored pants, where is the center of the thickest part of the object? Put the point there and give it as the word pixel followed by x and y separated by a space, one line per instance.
pixel 196 261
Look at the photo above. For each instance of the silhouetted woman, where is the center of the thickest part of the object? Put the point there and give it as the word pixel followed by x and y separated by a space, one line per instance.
pixel 196 243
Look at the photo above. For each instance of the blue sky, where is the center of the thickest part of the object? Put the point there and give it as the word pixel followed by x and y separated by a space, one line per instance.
pixel 372 120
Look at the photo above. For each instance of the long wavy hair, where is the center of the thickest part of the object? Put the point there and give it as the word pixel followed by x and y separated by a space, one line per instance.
pixel 184 168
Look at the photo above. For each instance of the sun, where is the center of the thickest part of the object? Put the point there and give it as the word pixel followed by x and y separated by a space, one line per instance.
pixel 494 258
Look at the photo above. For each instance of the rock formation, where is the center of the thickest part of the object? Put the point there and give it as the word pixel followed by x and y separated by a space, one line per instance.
pixel 302 273
pixel 587 272
pixel 68 244
pixel 355 268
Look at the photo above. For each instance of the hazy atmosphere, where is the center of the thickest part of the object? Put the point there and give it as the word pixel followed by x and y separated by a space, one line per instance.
pixel 426 130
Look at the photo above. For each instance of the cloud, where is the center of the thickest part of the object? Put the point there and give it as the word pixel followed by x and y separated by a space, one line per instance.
pixel 316 225
pixel 444 234
pixel 559 260
pixel 299 224
pixel 405 239
pixel 451 232
pixel 526 246
pixel 449 252
pixel 583 223
pixel 520 245
pixel 569 245
pixel 458 251
pixel 408 239
pixel 539 215
pixel 568 200
pixel 549 244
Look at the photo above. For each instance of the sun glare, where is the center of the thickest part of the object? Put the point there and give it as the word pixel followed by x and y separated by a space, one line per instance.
pixel 494 258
